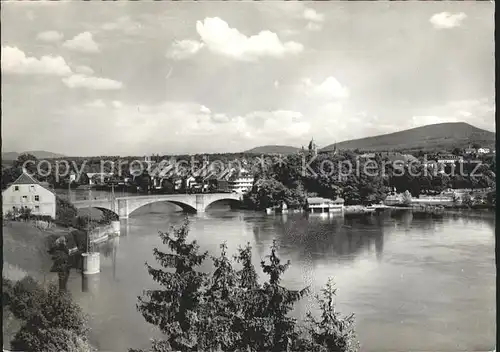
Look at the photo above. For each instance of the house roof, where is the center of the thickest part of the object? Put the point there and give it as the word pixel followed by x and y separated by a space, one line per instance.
pixel 317 200
pixel 26 179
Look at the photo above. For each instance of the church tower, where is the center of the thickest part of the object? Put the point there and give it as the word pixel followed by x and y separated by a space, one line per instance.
pixel 313 148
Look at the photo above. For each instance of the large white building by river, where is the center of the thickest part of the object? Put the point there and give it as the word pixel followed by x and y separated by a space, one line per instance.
pixel 26 192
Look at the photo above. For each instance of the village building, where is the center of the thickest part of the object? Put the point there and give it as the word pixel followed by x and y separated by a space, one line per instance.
pixel 27 193
pixel 324 205
pixel 449 159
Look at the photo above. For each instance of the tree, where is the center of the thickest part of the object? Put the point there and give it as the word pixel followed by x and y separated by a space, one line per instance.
pixel 332 333
pixel 173 307
pixel 229 310
pixel 23 299
pixel 276 329
pixel 491 198
pixel 60 261
pixel 65 212
pixel 52 321
pixel 27 161
pixel 9 175
pixel 219 316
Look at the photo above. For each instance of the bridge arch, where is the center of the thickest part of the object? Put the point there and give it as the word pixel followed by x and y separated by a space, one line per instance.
pixel 104 211
pixel 188 208
pixel 231 201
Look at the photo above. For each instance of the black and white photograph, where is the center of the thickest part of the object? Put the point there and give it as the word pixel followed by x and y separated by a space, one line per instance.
pixel 248 176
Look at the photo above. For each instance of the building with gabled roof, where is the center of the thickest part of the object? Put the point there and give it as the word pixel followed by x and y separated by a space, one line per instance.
pixel 27 192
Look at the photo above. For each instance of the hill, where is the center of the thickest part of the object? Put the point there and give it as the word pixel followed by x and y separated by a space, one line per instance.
pixel 273 149
pixel 431 137
pixel 39 154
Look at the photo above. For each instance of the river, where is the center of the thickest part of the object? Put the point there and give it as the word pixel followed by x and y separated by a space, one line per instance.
pixel 414 282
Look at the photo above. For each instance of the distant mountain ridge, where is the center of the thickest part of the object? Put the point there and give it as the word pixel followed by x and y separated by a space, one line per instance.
pixel 273 149
pixel 430 137
pixel 39 154
pixel 436 136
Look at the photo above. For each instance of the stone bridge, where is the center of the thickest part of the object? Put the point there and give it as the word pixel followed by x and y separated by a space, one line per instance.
pixel 124 206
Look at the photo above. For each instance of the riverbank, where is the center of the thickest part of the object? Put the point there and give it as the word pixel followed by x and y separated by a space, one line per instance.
pixel 25 249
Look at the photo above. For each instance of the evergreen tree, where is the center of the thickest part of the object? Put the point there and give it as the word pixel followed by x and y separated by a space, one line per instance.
pixel 331 333
pixel 247 276
pixel 221 311
pixel 278 331
pixel 173 308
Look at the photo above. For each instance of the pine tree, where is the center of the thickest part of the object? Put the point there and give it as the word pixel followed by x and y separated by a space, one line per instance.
pixel 278 331
pixel 247 275
pixel 221 311
pixel 173 308
pixel 332 333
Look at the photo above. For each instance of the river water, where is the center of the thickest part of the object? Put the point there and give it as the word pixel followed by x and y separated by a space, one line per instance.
pixel 414 283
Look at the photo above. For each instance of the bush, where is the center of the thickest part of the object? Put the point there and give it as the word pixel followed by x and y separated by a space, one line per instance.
pixel 52 321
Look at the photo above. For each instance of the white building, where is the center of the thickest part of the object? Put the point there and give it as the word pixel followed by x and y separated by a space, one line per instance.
pixel 324 205
pixel 241 183
pixel 26 192
pixel 449 159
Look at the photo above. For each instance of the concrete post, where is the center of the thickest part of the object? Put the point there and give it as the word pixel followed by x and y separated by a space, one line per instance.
pixel 200 203
pixel 123 208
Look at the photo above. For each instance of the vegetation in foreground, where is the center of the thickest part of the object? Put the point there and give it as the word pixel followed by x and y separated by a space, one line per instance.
pixel 50 320
pixel 229 310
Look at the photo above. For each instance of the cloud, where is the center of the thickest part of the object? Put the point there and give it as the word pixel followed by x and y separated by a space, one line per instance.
pixel 124 24
pixel 311 26
pixel 205 110
pixel 315 19
pixel 116 104
pixel 216 34
pixel 430 120
pixel 85 70
pixel 100 104
pixel 329 89
pixel 83 42
pixel 188 121
pixel 96 83
pixel 15 61
pixel 50 36
pixel 446 20
pixel 183 49
pixel 477 112
pixel 313 16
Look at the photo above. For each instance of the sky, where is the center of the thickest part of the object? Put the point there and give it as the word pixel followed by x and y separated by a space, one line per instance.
pixel 135 78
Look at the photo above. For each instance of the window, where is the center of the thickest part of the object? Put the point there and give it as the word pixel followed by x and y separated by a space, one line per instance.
pixel 37 198
pixel 16 188
pixel 25 198
pixel 37 208
pixel 32 188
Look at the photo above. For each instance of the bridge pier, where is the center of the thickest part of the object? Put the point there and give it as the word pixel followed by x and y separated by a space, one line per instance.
pixel 122 207
pixel 200 203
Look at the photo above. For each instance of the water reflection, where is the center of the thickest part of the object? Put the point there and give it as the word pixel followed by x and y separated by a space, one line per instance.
pixel 315 236
pixel 90 283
